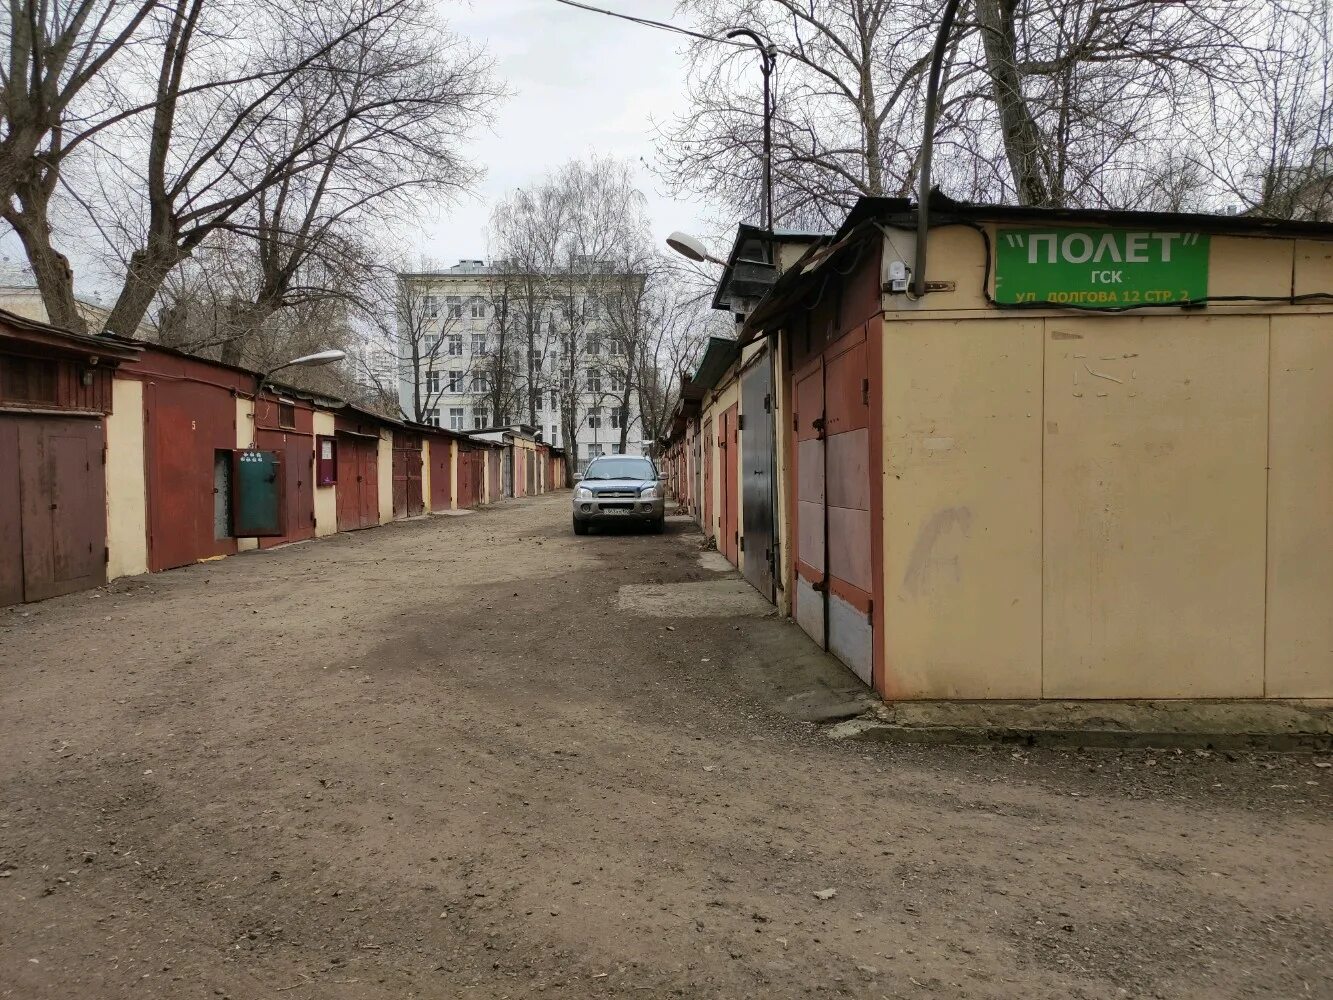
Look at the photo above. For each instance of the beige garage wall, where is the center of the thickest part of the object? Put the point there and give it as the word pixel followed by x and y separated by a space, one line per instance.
pixel 962 503
pixel 1300 509
pixel 326 497
pixel 1154 506
pixel 245 438
pixel 126 488
pixel 384 471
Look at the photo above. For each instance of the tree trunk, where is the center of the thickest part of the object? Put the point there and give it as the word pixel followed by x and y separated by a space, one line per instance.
pixel 149 266
pixel 50 267
pixel 1022 138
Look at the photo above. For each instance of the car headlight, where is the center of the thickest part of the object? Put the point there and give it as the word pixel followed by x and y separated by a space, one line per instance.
pixel 648 493
pixel 582 493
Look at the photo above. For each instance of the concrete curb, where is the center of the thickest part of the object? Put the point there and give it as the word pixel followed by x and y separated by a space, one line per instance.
pixel 1281 727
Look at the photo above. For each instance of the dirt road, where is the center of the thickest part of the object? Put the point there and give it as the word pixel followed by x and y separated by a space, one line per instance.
pixel 437 760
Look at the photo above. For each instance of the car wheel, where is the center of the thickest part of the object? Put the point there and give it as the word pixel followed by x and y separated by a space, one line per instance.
pixel 580 528
pixel 659 526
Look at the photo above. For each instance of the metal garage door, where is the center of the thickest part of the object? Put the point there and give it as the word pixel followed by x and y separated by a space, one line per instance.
pixel 53 511
pixel 757 501
pixel 834 548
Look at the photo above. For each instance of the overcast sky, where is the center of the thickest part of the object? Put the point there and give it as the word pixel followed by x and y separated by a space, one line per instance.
pixel 579 83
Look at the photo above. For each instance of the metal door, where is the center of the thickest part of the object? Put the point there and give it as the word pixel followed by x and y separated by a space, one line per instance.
pixel 297 451
pixel 729 540
pixel 259 489
pixel 188 425
pixel 407 498
pixel 368 453
pixel 11 515
pixel 808 417
pixel 441 489
pixel 358 483
pixel 757 500
pixel 708 478
pixel 54 508
pixel 834 556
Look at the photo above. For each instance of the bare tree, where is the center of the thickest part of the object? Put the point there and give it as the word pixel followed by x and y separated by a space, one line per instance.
pixel 410 338
pixel 330 108
pixel 847 75
pixel 57 53
pixel 1052 102
pixel 1272 153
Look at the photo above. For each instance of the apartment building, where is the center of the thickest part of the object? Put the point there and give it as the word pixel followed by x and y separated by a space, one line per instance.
pixel 476 323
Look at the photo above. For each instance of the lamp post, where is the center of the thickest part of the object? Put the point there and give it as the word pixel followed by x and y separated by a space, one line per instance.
pixel 768 55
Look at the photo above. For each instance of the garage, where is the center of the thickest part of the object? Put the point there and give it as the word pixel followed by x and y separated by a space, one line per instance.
pixel 55 391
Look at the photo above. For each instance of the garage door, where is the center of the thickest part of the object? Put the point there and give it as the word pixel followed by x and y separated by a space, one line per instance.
pixel 834 548
pixel 53 512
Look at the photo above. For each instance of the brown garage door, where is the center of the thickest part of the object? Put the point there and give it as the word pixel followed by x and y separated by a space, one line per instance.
pixel 53 513
pixel 358 482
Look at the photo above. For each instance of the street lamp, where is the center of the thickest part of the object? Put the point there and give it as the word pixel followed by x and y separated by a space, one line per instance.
pixel 689 247
pixel 768 55
pixel 304 361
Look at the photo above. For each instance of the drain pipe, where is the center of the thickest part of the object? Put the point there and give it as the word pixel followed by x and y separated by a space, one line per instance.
pixel 928 145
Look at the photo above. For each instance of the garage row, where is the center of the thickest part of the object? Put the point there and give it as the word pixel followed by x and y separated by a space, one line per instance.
pixel 134 458
pixel 1020 485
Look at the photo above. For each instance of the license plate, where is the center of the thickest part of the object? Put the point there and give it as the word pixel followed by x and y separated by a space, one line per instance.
pixel 615 510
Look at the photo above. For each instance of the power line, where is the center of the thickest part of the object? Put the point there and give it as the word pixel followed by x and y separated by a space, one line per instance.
pixel 649 23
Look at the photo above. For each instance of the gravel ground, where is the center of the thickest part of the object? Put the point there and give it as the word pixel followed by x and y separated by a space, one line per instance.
pixel 437 760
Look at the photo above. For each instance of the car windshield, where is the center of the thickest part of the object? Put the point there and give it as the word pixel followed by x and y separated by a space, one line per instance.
pixel 620 468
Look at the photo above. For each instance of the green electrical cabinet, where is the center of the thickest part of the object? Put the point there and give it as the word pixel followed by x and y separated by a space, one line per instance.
pixel 257 494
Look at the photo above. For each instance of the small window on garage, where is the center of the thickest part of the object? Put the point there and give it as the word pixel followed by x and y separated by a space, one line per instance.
pixel 27 380
pixel 286 414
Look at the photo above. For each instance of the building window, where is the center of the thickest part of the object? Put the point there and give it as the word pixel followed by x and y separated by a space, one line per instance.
pixel 455 418
pixel 433 417
pixel 453 307
pixel 432 381
pixel 430 344
pixel 554 430
pixel 286 414
pixel 555 401
pixel 615 418
pixel 455 383
pixel 617 383
pixel 478 309
pixel 617 346
pixel 430 306
pixel 453 345
pixel 594 344
pixel 480 418
pixel 478 343
pixel 594 380
pixel 481 383
pixel 594 451
pixel 595 416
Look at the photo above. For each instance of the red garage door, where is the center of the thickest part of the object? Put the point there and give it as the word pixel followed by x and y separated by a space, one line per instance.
pixel 834 543
pixel 52 507
pixel 358 482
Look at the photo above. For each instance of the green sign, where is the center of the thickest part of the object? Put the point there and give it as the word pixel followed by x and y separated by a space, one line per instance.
pixel 1100 268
